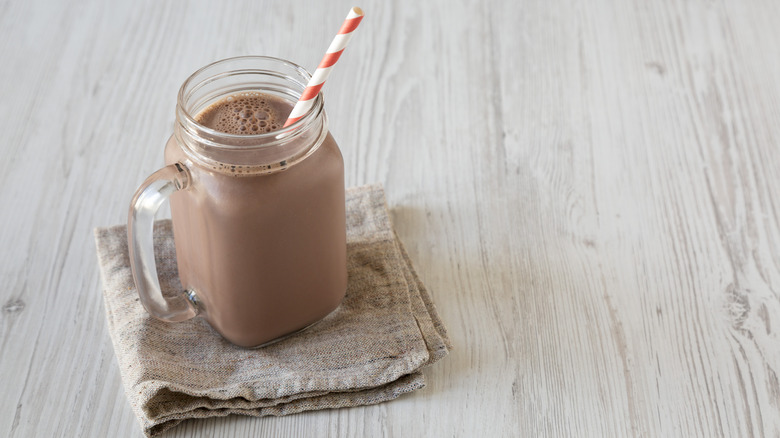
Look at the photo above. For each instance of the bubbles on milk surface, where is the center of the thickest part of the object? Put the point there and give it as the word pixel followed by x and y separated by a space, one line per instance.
pixel 245 113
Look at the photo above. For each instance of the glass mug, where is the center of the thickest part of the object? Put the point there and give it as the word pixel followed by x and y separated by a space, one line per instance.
pixel 258 220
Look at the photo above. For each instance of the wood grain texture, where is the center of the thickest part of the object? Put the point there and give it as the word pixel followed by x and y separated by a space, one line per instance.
pixel 589 189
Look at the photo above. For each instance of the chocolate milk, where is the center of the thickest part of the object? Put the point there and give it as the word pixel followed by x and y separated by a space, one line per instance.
pixel 265 253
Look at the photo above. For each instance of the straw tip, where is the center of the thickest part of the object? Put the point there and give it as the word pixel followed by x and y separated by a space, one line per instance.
pixel 357 11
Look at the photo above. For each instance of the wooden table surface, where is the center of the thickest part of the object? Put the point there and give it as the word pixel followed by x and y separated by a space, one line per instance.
pixel 589 189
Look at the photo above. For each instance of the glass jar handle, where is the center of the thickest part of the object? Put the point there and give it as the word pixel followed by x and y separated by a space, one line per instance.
pixel 140 226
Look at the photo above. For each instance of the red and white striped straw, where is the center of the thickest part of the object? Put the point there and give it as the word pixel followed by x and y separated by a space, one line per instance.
pixel 326 65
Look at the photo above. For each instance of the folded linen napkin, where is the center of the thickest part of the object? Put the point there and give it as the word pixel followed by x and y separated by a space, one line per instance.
pixel 369 350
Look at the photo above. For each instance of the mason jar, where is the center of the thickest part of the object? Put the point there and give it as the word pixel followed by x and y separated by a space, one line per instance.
pixel 258 219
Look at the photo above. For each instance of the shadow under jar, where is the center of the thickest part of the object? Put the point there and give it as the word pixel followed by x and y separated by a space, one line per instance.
pixel 258 220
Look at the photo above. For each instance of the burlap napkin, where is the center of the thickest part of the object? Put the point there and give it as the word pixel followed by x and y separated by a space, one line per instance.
pixel 369 350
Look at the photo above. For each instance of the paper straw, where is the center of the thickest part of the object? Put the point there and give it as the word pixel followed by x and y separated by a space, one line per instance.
pixel 326 65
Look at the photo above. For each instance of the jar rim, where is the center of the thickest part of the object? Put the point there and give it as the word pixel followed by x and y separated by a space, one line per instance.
pixel 312 114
